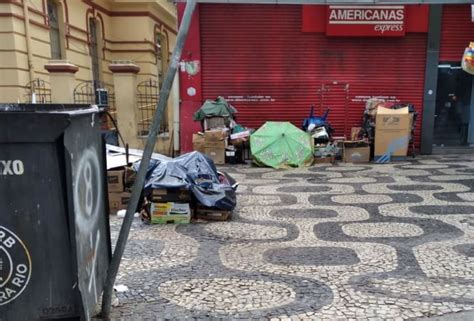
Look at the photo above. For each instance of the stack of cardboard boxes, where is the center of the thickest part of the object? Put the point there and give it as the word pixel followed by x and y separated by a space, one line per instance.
pixel 168 205
pixel 177 206
pixel 213 143
pixel 119 183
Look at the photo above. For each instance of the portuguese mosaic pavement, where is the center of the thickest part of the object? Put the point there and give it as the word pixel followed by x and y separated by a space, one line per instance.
pixel 345 242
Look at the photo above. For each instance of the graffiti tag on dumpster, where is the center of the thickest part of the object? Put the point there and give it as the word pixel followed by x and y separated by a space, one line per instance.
pixel 15 266
pixel 87 193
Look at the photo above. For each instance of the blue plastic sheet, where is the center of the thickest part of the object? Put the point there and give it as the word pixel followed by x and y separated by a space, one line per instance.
pixel 197 173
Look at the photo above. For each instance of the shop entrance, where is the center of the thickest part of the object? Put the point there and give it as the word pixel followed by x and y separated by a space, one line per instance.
pixel 453 101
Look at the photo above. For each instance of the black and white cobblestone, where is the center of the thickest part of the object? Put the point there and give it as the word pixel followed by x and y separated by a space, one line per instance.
pixel 346 242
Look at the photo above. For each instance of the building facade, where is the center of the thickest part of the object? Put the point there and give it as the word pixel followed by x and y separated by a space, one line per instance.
pixel 62 51
pixel 274 61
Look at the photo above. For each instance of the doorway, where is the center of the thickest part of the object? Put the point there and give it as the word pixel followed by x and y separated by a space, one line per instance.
pixel 453 100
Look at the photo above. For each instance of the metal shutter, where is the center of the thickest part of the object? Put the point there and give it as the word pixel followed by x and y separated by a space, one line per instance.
pixel 260 53
pixel 457 30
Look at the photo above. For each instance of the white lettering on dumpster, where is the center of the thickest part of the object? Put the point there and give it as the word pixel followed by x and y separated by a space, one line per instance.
pixel 12 167
pixel 15 266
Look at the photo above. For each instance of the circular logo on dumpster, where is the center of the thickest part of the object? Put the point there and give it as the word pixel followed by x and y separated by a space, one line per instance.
pixel 15 266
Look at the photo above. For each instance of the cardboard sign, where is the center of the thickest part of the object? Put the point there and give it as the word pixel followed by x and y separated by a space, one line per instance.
pixel 372 21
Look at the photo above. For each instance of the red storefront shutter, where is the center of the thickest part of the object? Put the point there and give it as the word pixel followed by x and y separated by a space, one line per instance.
pixel 457 30
pixel 257 56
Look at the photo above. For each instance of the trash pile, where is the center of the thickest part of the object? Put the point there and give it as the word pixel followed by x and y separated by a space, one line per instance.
pixel 221 138
pixel 385 134
pixel 176 191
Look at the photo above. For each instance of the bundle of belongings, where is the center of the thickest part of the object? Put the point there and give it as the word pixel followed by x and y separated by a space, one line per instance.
pixel 467 63
pixel 221 138
pixel 318 127
pixel 321 132
pixel 215 114
pixel 186 187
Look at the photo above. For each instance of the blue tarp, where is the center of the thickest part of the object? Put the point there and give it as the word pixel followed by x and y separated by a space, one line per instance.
pixel 197 173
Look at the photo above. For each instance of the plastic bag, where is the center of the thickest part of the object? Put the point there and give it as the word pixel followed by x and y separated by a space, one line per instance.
pixel 467 63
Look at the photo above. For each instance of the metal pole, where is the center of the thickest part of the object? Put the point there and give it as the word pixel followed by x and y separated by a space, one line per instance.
pixel 150 144
pixel 431 79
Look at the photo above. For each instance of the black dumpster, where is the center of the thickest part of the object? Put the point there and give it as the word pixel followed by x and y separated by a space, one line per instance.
pixel 54 232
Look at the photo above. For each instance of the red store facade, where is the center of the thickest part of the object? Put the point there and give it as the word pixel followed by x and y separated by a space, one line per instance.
pixel 272 62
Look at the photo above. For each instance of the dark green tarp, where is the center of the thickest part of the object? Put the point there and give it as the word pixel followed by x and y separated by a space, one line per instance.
pixel 215 108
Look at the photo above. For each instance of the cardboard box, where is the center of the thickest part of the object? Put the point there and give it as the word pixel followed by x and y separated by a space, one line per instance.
pixel 125 199
pixel 217 154
pixel 392 131
pixel 164 195
pixel 214 123
pixel 118 201
pixel 115 181
pixel 325 160
pixel 212 214
pixel 170 213
pixel 198 143
pixel 170 208
pixel 215 136
pixel 356 152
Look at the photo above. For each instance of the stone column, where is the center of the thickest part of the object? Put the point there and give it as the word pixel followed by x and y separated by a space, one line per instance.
pixel 125 86
pixel 63 81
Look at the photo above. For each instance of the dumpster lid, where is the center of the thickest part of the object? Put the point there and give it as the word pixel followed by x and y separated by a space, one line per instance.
pixel 71 109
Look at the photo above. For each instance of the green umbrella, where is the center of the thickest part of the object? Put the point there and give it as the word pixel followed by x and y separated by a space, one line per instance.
pixel 281 145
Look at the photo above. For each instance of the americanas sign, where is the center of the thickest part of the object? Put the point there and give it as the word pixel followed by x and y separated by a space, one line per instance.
pixel 368 21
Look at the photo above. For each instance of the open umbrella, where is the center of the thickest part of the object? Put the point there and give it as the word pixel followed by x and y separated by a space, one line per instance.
pixel 281 145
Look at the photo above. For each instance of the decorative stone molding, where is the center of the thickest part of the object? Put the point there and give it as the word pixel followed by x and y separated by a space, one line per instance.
pixel 61 66
pixel 124 67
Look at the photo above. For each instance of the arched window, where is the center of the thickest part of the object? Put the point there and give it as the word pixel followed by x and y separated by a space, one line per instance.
pixel 55 29
pixel 161 56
